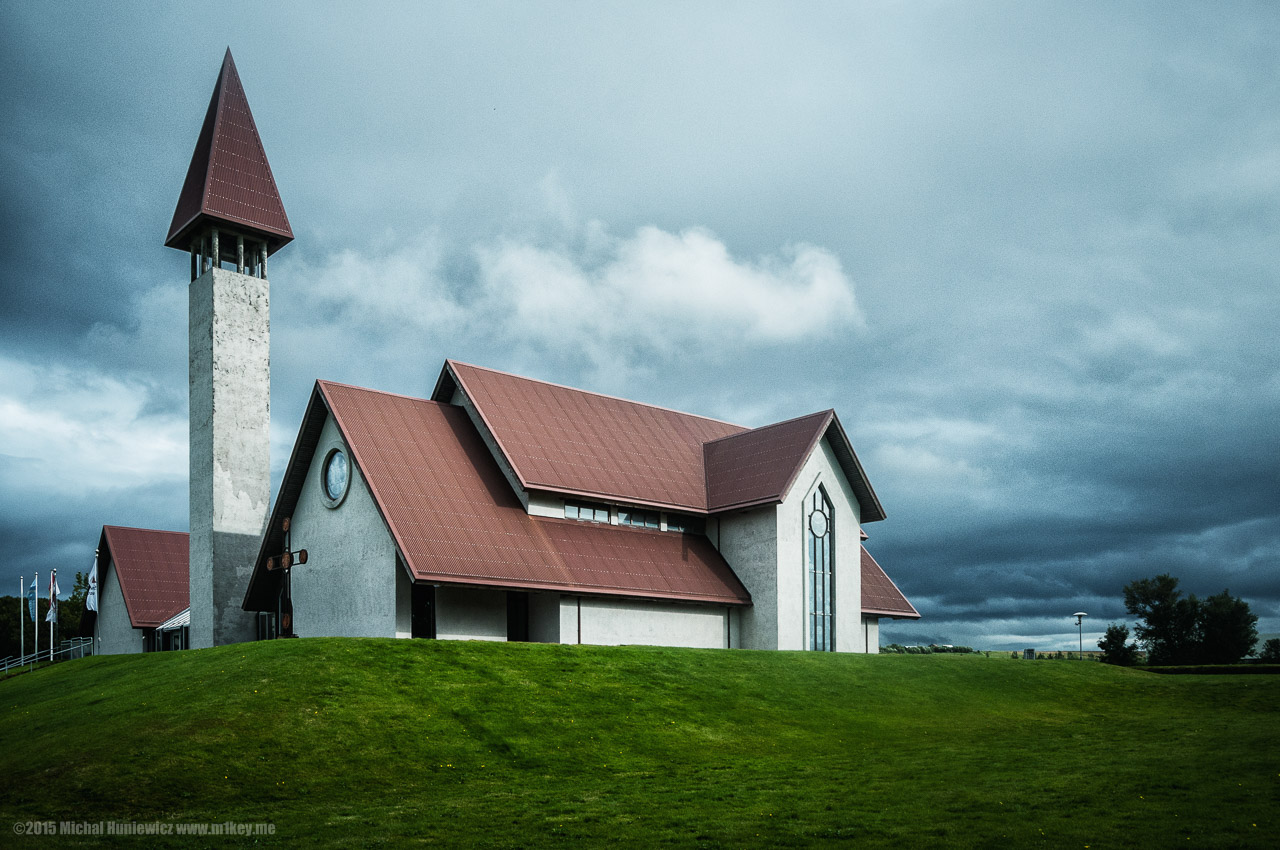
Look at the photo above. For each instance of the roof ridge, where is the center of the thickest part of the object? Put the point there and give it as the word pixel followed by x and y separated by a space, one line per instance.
pixel 148 530
pixel 453 362
pixel 371 390
pixel 829 410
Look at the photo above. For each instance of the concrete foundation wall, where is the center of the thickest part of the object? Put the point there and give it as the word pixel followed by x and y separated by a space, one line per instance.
pixel 570 608
pixel 612 622
pixel 464 613
pixel 229 363
pixel 749 542
pixel 822 468
pixel 349 585
pixel 113 633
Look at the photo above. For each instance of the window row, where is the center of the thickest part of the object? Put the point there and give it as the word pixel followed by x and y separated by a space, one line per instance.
pixel 641 519
pixel 596 512
pixel 586 511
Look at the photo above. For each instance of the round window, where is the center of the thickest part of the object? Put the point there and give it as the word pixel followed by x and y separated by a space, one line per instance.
pixel 818 524
pixel 337 476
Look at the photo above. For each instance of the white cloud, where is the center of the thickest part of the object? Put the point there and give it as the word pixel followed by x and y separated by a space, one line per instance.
pixel 395 289
pixel 668 290
pixel 1124 333
pixel 578 292
pixel 69 432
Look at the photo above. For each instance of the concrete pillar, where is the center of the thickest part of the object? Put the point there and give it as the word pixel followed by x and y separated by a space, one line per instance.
pixel 230 395
pixel 240 254
pixel 204 255
pixel 194 261
pixel 264 260
pixel 216 253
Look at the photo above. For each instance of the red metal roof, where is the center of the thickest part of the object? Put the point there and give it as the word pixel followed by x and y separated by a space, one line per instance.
pixel 880 595
pixel 229 179
pixel 153 570
pixel 579 443
pixel 455 519
pixel 572 441
pixel 758 466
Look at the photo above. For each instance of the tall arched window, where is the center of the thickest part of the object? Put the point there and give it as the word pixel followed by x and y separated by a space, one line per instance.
pixel 820 587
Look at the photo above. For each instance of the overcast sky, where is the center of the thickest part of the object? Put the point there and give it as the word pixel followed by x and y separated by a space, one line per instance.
pixel 1028 252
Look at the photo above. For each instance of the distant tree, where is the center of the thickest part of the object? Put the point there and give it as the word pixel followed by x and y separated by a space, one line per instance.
pixel 14 615
pixel 1271 651
pixel 1116 648
pixel 1169 627
pixel 1176 630
pixel 1228 629
pixel 9 621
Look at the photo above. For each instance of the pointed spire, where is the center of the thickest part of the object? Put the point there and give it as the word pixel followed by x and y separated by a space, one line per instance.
pixel 229 180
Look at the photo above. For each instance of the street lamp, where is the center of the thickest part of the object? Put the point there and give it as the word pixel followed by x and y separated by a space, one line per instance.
pixel 1080 615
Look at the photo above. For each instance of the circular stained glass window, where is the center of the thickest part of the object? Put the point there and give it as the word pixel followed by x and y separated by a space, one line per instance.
pixel 818 524
pixel 336 475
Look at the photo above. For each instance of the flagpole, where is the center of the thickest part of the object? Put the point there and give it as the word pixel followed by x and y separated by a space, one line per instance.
pixel 35 619
pixel 53 608
pixel 22 618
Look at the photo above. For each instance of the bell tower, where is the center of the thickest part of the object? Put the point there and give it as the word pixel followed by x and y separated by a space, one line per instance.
pixel 230 219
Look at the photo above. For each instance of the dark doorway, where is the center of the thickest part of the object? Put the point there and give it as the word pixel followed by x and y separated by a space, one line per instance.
pixel 423 612
pixel 517 615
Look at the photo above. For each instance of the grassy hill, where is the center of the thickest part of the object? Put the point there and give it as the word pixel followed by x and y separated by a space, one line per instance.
pixel 341 741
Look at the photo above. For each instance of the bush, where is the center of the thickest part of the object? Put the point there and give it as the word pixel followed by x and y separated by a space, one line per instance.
pixel 1219 669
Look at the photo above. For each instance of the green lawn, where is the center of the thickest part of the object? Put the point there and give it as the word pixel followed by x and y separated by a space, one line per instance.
pixel 340 741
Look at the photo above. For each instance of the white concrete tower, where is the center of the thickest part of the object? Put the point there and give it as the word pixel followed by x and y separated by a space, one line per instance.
pixel 229 212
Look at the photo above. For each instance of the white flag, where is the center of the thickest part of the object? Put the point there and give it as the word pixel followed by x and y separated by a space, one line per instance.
pixel 91 598
pixel 52 616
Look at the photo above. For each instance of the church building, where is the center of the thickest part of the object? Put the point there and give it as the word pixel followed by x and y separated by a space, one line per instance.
pixel 500 508
pixel 505 508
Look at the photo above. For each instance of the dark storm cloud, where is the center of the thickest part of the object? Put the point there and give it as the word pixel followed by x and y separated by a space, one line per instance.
pixel 1056 228
pixel 39 534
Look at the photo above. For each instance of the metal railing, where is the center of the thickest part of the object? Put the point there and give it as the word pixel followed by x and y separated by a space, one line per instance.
pixel 73 648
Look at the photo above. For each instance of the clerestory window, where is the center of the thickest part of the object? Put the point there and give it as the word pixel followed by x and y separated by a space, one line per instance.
pixel 641 519
pixel 586 511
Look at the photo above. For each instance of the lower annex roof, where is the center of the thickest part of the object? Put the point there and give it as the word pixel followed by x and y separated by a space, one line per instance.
pixel 152 568
pixel 880 595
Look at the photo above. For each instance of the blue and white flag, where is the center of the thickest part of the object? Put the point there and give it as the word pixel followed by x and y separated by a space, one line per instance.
pixel 31 600
pixel 91 598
